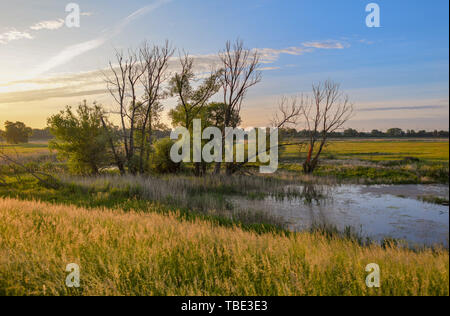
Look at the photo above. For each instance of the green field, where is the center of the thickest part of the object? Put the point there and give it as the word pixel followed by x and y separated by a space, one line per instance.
pixel 372 150
pixel 26 149
pixel 380 150
pixel 177 235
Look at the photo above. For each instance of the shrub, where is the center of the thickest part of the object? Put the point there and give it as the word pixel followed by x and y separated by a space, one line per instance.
pixel 161 162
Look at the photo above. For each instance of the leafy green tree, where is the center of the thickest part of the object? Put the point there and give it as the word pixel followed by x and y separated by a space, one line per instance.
pixel 192 97
pixel 161 161
pixel 350 132
pixel 211 114
pixel 16 133
pixel 395 132
pixel 80 137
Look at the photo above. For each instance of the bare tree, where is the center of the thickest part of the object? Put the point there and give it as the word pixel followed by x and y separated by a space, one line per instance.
pixel 288 114
pixel 136 71
pixel 123 86
pixel 117 85
pixel 289 111
pixel 155 61
pixel 239 73
pixel 327 111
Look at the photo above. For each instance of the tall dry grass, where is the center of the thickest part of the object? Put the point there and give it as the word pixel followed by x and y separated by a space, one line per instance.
pixel 152 254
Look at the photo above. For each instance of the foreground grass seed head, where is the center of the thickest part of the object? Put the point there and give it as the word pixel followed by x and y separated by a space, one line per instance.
pixel 151 254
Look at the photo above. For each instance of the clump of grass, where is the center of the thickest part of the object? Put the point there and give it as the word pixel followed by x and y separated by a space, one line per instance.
pixel 129 196
pixel 434 199
pixel 206 193
pixel 152 254
pixel 366 172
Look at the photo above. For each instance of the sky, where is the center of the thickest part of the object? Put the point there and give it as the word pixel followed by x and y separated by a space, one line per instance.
pixel 397 75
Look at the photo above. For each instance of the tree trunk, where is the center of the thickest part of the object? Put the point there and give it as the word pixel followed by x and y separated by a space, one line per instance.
pixel 217 168
pixel 119 162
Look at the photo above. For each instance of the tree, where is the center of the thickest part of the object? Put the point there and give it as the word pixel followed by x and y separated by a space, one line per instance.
pixel 327 111
pixel 350 132
pixel 239 73
pixel 191 100
pixel 324 113
pixel 123 87
pixel 211 114
pixel 142 70
pixel 155 61
pixel 80 137
pixel 16 133
pixel 161 161
pixel 376 133
pixel 395 132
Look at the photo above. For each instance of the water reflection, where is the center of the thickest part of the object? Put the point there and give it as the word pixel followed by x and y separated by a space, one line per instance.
pixel 378 212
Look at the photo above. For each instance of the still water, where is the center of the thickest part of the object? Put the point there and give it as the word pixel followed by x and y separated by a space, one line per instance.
pixel 378 212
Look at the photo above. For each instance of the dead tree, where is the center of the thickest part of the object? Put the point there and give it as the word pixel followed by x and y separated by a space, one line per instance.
pixel 288 114
pixel 155 61
pixel 239 73
pixel 123 86
pixel 136 71
pixel 327 111
pixel 117 85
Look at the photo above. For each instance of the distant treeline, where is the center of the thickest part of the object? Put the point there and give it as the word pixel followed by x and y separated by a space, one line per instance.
pixel 45 135
pixel 390 133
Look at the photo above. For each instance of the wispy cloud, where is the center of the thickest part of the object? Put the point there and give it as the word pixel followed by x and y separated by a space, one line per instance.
pixel 269 68
pixel 45 94
pixel 330 44
pixel 73 51
pixel 48 25
pixel 13 35
pixel 403 108
pixel 270 55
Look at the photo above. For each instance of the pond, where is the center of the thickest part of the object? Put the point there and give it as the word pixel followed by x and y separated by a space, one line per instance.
pixel 378 212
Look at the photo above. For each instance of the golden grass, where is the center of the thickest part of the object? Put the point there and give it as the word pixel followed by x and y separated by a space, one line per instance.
pixel 151 254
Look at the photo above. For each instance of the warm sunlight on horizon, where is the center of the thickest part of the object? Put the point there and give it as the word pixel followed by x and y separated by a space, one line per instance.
pixel 395 75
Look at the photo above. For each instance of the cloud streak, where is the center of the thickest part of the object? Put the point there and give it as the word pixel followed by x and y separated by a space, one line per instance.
pixel 45 94
pixel 73 51
pixel 48 25
pixel 402 108
pixel 327 44
pixel 14 35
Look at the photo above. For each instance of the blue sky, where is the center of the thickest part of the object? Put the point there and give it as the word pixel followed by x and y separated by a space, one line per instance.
pixel 401 68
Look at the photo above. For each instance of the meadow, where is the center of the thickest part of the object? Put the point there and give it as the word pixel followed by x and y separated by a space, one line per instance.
pixel 381 150
pixel 32 148
pixel 378 161
pixel 152 254
pixel 178 234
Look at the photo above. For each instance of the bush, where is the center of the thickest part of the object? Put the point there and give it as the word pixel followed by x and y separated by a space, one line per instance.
pixel 81 138
pixel 161 162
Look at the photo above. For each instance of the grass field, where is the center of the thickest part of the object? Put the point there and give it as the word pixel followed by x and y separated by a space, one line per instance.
pixel 377 161
pixel 151 254
pixel 351 161
pixel 176 234
pixel 373 150
pixel 380 150
pixel 26 149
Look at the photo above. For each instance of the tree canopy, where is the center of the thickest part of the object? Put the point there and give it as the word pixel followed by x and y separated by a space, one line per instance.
pixel 16 133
